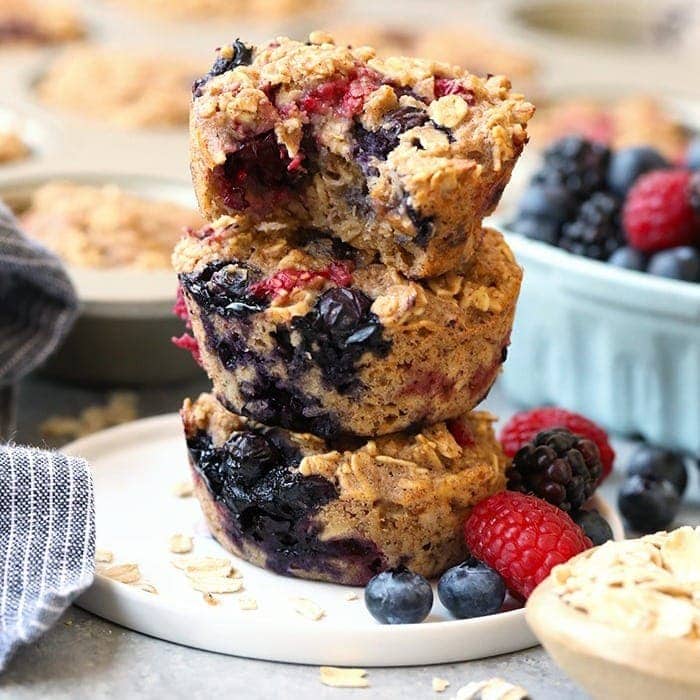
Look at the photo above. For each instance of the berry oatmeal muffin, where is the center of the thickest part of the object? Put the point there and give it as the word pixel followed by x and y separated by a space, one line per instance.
pixel 307 333
pixel 208 9
pixel 398 156
pixel 12 146
pixel 103 227
pixel 298 505
pixel 129 90
pixel 38 22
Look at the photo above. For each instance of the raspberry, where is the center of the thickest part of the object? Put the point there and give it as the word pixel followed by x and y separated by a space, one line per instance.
pixel 187 342
pixel 658 214
pixel 522 538
pixel 338 272
pixel 559 467
pixel 524 426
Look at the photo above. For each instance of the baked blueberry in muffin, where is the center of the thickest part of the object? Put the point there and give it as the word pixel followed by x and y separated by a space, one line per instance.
pixel 396 156
pixel 340 511
pixel 306 333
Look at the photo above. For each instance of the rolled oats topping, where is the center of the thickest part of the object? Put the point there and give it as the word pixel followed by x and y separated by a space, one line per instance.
pixel 648 585
pixel 106 226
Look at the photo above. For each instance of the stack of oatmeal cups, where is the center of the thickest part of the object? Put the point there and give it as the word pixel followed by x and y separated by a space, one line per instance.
pixel 346 303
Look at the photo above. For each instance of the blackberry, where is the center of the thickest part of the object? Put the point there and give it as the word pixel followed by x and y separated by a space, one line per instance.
pixel 242 56
pixel 559 467
pixel 596 232
pixel 580 165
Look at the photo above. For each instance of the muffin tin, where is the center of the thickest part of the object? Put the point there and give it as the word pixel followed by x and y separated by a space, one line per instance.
pixel 123 335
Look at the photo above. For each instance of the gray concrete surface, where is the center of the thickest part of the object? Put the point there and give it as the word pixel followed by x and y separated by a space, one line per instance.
pixel 86 657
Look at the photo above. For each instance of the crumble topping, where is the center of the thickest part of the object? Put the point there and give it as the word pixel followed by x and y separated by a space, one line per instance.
pixel 105 226
pixel 649 585
pixel 12 147
pixel 120 408
pixel 126 89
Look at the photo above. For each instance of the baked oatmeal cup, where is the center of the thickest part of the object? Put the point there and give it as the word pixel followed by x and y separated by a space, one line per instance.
pixel 398 156
pixel 304 332
pixel 300 506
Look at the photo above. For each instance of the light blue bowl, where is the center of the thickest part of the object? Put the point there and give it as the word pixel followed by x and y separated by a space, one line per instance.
pixel 621 347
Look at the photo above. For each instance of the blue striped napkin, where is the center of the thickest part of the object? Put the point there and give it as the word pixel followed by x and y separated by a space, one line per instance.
pixel 47 522
pixel 47 541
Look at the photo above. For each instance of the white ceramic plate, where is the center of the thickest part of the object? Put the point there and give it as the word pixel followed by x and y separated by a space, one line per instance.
pixel 135 467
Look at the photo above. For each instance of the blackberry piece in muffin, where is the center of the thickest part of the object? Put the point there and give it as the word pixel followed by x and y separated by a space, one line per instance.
pixel 397 156
pixel 301 506
pixel 304 332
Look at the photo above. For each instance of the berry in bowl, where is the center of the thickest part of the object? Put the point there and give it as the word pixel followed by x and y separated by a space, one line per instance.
pixel 609 314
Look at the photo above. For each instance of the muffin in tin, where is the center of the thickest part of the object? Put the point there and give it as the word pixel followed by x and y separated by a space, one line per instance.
pixel 304 332
pixel 340 512
pixel 397 156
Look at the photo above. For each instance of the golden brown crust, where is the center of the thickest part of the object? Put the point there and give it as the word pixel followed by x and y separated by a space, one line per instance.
pixel 420 205
pixel 447 335
pixel 408 494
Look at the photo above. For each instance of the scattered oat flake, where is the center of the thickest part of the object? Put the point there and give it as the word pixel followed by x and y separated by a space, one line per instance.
pixel 180 544
pixel 210 600
pixel 182 489
pixel 68 623
pixel 307 608
pixel 216 584
pixel 104 556
pixel 351 596
pixel 492 689
pixel 344 677
pixel 440 685
pixel 123 573
pixel 213 566
pixel 247 603
pixel 145 587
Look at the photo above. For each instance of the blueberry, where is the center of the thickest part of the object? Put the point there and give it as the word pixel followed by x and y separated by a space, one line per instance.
pixel 627 164
pixel 648 504
pixel 537 229
pixel 546 201
pixel 629 258
pixel 241 55
pixel 342 308
pixel 399 597
pixel 681 263
pixel 471 589
pixel 378 144
pixel 594 525
pixel 252 457
pixel 692 155
pixel 659 464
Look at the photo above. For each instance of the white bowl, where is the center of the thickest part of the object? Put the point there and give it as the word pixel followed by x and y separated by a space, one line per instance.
pixel 621 347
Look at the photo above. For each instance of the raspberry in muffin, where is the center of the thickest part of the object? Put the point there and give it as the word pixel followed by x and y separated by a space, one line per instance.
pixel 401 157
pixel 298 505
pixel 305 332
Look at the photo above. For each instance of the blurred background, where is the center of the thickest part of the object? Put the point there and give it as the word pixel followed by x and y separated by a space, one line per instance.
pixel 93 158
